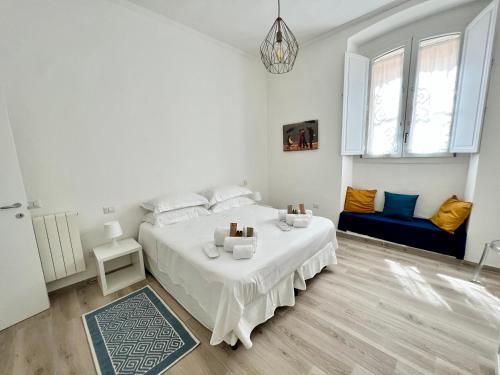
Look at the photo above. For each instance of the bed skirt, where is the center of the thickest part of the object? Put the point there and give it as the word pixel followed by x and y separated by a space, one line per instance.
pixel 256 312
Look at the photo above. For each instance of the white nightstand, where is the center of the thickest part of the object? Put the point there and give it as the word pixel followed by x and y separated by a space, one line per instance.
pixel 123 277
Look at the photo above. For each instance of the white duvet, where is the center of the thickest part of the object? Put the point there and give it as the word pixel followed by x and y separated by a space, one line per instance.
pixel 178 251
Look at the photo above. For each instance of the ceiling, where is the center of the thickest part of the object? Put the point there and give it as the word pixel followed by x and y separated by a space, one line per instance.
pixel 244 23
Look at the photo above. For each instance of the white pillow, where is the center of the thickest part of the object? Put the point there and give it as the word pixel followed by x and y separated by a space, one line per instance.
pixel 174 201
pixel 175 216
pixel 222 193
pixel 231 203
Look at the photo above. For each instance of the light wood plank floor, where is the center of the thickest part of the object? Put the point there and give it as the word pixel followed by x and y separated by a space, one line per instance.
pixel 379 311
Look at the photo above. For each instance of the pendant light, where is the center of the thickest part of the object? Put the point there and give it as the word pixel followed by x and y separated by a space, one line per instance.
pixel 279 49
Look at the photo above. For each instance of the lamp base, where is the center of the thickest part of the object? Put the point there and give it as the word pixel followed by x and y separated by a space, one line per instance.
pixel 114 244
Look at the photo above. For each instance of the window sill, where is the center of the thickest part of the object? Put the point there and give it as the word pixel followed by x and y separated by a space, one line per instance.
pixel 450 159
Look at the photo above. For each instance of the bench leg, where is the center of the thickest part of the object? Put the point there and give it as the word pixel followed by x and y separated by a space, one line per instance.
pixel 295 292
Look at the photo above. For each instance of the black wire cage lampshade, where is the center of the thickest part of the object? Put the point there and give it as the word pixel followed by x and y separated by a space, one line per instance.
pixel 279 49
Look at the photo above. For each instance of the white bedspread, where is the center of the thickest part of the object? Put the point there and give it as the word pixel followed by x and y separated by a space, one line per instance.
pixel 178 251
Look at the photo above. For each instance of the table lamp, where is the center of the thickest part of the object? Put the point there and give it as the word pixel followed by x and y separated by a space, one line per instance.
pixel 113 230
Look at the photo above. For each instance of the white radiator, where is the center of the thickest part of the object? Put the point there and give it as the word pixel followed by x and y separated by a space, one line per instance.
pixel 59 245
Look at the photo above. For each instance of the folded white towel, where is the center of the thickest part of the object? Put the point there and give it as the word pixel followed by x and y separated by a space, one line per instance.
pixel 243 251
pixel 230 242
pixel 282 215
pixel 220 235
pixel 211 251
pixel 302 222
pixel 291 217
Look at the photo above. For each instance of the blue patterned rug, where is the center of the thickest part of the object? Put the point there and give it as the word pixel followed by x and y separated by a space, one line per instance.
pixel 137 334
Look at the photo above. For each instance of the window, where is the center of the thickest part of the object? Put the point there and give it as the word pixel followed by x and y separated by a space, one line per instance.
pixel 385 102
pixel 413 119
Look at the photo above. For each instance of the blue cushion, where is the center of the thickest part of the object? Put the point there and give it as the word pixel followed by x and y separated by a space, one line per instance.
pixel 401 206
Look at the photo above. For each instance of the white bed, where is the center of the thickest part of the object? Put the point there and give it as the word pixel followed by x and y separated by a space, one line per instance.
pixel 230 297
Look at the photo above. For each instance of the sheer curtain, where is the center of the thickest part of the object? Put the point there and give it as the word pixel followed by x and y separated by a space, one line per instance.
pixel 385 101
pixel 434 95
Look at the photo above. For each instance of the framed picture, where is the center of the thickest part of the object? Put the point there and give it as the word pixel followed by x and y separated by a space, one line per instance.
pixel 301 136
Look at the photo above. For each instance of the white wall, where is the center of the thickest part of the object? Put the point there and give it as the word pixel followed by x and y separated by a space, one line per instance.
pixel 433 180
pixel 310 91
pixel 111 104
pixel 484 224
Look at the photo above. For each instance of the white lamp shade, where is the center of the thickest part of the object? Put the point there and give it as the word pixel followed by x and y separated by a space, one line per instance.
pixel 112 229
pixel 256 196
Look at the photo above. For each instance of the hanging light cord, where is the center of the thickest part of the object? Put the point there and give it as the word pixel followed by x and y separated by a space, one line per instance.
pixel 278 8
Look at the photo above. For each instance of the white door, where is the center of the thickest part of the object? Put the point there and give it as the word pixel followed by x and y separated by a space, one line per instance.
pixel 22 287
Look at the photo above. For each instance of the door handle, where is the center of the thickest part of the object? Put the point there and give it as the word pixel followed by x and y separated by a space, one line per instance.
pixel 15 205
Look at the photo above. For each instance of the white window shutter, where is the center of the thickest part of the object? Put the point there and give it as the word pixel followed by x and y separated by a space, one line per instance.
pixel 473 82
pixel 356 72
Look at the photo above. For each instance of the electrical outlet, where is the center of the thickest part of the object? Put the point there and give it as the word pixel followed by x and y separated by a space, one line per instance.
pixel 108 210
pixel 34 204
pixel 316 205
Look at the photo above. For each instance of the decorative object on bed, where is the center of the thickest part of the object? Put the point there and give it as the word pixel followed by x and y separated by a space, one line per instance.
pixel 231 242
pixel 289 209
pixel 282 215
pixel 302 209
pixel 290 218
pixel 220 235
pixel 233 229
pixel 113 230
pixel 401 206
pixel 211 250
pixel 137 334
pixel 360 201
pixel 249 232
pixel 223 193
pixel 243 251
pixel 174 201
pixel 301 136
pixel 279 49
pixel 452 214
pixel 302 222
pixel 283 226
pixel 175 216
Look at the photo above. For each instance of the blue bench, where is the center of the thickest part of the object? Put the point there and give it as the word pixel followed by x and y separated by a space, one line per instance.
pixel 419 233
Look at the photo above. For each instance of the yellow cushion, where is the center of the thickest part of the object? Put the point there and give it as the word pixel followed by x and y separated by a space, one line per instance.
pixel 452 214
pixel 362 201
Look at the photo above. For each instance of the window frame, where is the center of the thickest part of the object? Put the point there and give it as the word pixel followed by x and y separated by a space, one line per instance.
pixel 412 82
pixel 410 45
pixel 400 44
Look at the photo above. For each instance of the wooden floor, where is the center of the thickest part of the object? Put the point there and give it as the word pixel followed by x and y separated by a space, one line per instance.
pixel 379 311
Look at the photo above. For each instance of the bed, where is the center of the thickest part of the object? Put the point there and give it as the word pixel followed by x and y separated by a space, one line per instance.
pixel 230 297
